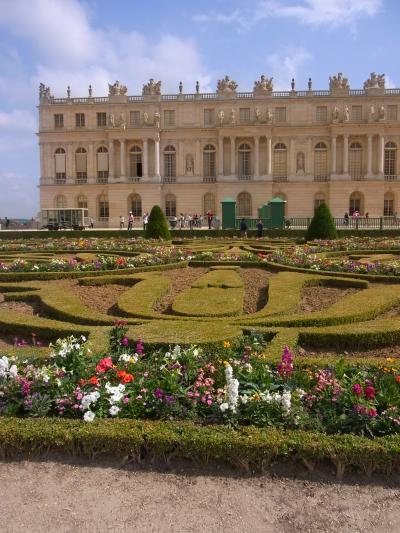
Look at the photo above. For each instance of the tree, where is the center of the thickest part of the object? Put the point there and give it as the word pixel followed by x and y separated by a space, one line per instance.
pixel 157 226
pixel 322 225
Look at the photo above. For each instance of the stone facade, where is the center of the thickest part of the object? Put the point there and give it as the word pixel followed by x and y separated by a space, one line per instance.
pixel 186 152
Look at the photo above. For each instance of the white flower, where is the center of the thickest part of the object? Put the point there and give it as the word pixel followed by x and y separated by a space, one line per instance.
pixel 244 398
pixel 59 382
pixel 224 407
pixel 126 358
pixel 89 416
pixel 114 410
pixel 88 399
pixel 4 364
pixel 83 338
pixel 13 371
pixel 195 352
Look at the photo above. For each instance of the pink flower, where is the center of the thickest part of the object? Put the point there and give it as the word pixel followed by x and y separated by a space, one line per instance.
pixel 370 392
pixel 125 341
pixel 357 389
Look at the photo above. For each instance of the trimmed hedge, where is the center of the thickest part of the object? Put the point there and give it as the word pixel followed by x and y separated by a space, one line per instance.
pixel 157 226
pixel 248 449
pixel 322 225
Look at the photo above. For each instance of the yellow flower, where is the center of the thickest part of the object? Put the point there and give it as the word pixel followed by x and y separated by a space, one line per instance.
pixel 225 363
pixel 227 344
pixel 390 359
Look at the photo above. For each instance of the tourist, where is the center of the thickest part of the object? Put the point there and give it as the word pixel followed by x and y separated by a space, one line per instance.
pixel 130 220
pixel 145 220
pixel 210 217
pixel 121 222
pixel 260 227
pixel 367 218
pixel 243 228
pixel 7 222
pixel 91 222
pixel 346 219
pixel 200 221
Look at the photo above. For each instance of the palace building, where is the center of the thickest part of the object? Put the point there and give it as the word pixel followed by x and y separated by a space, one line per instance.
pixel 186 152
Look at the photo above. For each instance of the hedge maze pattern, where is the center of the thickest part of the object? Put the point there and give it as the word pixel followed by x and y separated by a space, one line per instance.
pixel 211 309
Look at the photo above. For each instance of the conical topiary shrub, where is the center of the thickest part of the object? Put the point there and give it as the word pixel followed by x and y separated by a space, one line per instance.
pixel 157 226
pixel 322 225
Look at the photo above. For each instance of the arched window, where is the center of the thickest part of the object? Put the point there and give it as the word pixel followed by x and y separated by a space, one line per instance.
pixel 170 162
pixel 60 165
pixel 135 162
pixel 319 199
pixel 355 161
pixel 390 159
pixel 388 204
pixel 208 203
pixel 103 208
pixel 243 202
pixel 135 205
pixel 356 203
pixel 102 164
pixel 60 201
pixel 320 162
pixel 280 161
pixel 81 165
pixel 81 201
pixel 209 161
pixel 170 205
pixel 244 151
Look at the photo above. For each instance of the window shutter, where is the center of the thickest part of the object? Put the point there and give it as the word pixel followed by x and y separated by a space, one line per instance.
pixel 102 161
pixel 80 162
pixel 60 163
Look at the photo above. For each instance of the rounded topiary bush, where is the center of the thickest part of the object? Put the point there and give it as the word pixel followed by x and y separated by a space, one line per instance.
pixel 157 226
pixel 322 225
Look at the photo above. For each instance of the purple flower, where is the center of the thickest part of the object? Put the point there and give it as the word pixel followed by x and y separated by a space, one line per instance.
pixel 125 341
pixel 357 389
pixel 139 347
pixel 169 398
pixel 159 393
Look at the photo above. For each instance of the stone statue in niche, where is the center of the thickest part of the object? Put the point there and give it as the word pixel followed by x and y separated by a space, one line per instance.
pixel 269 115
pixel 145 118
pixel 382 113
pixel 111 120
pixel 189 165
pixel 122 121
pixel 346 114
pixel 221 116
pixel 233 117
pixel 371 114
pixel 300 164
pixel 157 118
pixel 335 114
pixel 257 114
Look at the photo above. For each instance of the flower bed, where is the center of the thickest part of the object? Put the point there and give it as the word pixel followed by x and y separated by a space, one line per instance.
pixel 229 257
pixel 353 243
pixel 233 385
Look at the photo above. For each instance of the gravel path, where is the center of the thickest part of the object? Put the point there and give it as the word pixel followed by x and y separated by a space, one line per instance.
pixel 53 497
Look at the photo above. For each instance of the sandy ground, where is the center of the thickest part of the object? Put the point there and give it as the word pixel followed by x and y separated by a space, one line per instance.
pixel 48 496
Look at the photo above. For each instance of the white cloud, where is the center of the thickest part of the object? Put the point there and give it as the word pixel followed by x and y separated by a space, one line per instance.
pixel 18 120
pixel 389 83
pixel 285 65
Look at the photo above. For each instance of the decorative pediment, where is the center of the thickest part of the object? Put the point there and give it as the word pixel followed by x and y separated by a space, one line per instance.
pixel 226 85
pixel 375 81
pixel 338 84
pixel 263 86
pixel 117 89
pixel 44 92
pixel 152 88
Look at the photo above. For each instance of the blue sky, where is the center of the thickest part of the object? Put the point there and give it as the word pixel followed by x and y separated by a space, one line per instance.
pixel 77 43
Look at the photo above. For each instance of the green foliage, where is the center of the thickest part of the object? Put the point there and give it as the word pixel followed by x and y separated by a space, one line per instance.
pixel 322 225
pixel 157 226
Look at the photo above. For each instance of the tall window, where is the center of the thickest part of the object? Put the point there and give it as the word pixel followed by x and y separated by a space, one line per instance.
pixel 135 162
pixel 355 203
pixel 170 205
pixel 209 117
pixel 391 112
pixel 81 164
pixel 355 161
pixel 356 113
pixel 244 205
pixel 388 204
pixel 209 161
pixel 60 165
pixel 169 117
pixel 60 201
pixel 319 199
pixel 280 161
pixel 134 118
pixel 82 202
pixel 101 119
pixel 80 120
pixel 208 203
pixel 280 114
pixel 322 113
pixel 390 159
pixel 58 120
pixel 103 207
pixel 244 114
pixel 136 205
pixel 102 164
pixel 244 159
pixel 170 162
pixel 320 162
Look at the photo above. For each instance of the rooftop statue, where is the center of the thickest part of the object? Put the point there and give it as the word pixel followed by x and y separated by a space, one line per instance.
pixel 338 82
pixel 117 89
pixel 152 88
pixel 263 85
pixel 44 92
pixel 375 81
pixel 226 85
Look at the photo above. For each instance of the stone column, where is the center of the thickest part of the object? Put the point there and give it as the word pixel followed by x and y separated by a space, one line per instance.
pixel 220 156
pixel 42 160
pixel 333 164
pixel 70 162
pixel 157 173
pixel 198 169
pixel 269 156
pixel 345 154
pixel 122 157
pixel 256 155
pixel 233 170
pixel 111 159
pixel 381 166
pixel 291 159
pixel 91 163
pixel 145 159
pixel 369 156
pixel 180 163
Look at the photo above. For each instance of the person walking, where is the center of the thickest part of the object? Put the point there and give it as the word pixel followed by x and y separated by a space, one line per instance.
pixel 145 220
pixel 260 227
pixel 210 217
pixel 243 228
pixel 121 222
pixel 130 220
pixel 346 219
pixel 91 222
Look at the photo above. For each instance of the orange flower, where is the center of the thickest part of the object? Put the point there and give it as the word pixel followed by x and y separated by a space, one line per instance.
pixel 124 376
pixel 94 380
pixel 397 378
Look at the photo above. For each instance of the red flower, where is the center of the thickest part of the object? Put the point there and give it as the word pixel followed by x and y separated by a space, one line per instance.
pixel 104 364
pixel 397 378
pixel 94 380
pixel 125 377
pixel 370 392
